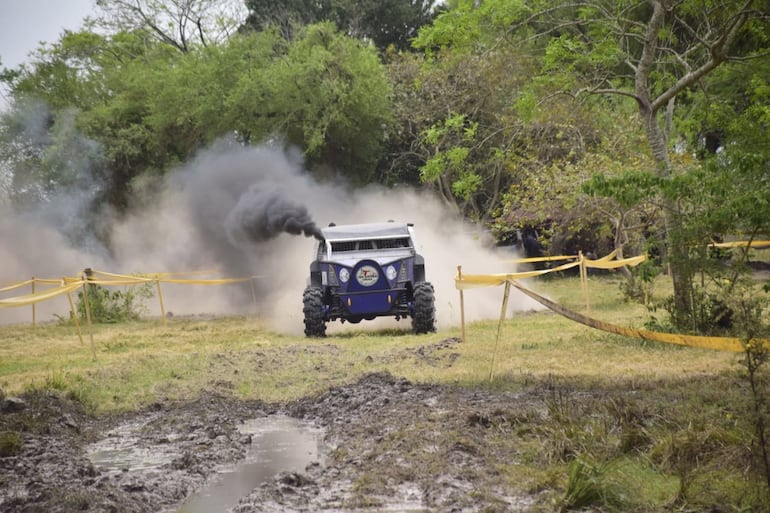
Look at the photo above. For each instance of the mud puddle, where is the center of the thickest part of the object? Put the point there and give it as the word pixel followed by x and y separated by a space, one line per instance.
pixel 278 443
pixel 122 450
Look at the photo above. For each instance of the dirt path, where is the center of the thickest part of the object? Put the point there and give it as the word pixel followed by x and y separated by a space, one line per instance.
pixel 388 443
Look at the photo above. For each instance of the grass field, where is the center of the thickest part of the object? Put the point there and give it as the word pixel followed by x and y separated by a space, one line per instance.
pixel 131 364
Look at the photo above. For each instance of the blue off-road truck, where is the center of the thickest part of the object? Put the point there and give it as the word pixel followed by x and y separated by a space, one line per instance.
pixel 363 271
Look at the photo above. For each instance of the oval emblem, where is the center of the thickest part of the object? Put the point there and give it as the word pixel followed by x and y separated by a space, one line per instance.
pixel 367 276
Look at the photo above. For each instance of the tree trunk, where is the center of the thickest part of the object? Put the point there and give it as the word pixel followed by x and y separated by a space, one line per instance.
pixel 676 251
pixel 620 227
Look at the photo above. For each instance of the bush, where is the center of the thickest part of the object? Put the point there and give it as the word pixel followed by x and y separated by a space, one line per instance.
pixel 711 315
pixel 114 306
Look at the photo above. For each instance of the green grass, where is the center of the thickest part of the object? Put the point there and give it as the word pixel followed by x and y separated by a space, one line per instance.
pixel 132 364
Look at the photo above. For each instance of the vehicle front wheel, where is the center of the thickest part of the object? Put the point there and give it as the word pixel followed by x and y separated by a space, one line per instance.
pixel 424 319
pixel 312 300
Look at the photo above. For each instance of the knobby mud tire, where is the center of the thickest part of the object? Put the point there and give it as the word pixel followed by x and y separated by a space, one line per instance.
pixel 424 319
pixel 312 301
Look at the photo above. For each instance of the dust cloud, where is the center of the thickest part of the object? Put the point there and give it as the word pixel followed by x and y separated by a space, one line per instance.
pixel 251 212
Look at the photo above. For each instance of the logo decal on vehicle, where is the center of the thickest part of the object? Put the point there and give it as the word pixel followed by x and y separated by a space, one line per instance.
pixel 367 276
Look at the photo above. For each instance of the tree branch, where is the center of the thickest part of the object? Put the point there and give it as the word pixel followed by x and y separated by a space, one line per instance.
pixel 719 54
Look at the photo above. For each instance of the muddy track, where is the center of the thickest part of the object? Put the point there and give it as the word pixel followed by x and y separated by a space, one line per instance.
pixel 388 443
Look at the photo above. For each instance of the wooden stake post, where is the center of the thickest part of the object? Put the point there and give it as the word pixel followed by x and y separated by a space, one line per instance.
pixel 86 277
pixel 462 305
pixel 503 311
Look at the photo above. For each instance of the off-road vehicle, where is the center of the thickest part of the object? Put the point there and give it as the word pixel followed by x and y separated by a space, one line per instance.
pixel 363 271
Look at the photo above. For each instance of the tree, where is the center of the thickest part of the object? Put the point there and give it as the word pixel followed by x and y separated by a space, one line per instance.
pixel 82 82
pixel 64 74
pixel 480 133
pixel 150 107
pixel 181 24
pixel 42 145
pixel 654 52
pixel 285 16
pixel 383 22
pixel 326 93
pixel 456 129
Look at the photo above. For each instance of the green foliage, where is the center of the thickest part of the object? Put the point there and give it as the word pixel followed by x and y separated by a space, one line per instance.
pixel 717 200
pixel 467 184
pixel 82 84
pixel 710 314
pixel 750 312
pixel 327 94
pixel 667 53
pixel 284 14
pixel 471 25
pixel 149 107
pixel 628 189
pixel 114 306
pixel 454 139
pixel 640 287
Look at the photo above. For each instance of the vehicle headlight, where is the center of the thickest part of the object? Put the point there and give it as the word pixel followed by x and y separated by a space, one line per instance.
pixel 403 273
pixel 391 273
pixel 333 277
pixel 344 275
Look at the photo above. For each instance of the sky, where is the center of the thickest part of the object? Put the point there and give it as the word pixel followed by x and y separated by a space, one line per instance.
pixel 25 23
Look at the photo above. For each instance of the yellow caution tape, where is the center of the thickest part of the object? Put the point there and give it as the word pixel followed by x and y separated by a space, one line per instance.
pixel 69 284
pixel 756 244
pixel 122 279
pixel 603 263
pixel 717 343
pixel 127 281
pixel 49 281
pixel 468 281
pixel 119 277
pixel 16 285
pixel 605 258
pixel 29 299
pixel 531 260
pixel 612 254
pixel 488 280
pixel 221 281
pixel 156 275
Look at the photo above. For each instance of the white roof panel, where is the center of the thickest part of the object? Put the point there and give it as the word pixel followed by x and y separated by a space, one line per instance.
pixel 365 231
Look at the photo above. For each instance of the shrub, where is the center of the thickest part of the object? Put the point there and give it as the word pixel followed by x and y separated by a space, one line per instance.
pixel 108 306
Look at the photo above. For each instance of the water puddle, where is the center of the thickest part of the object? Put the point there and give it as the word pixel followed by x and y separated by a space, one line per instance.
pixel 278 444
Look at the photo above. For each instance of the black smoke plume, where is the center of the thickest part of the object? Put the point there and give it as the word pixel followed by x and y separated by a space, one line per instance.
pixel 265 211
